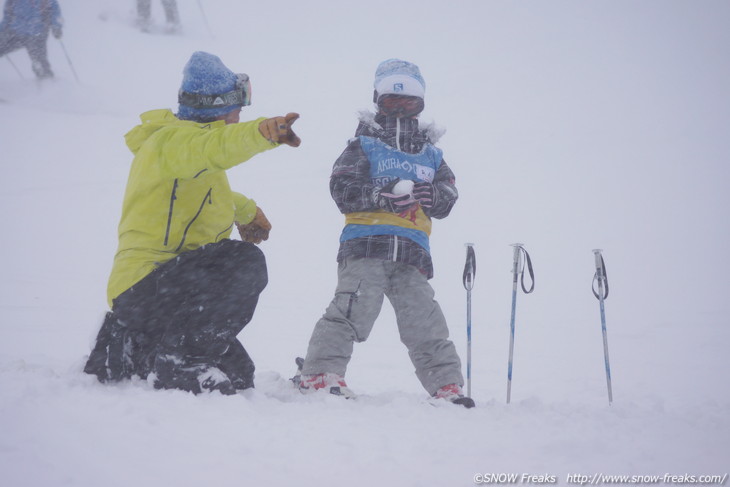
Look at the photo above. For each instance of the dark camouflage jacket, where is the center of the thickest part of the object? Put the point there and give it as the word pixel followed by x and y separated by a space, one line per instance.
pixel 352 189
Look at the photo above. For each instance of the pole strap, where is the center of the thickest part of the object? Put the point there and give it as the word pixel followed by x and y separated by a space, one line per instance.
pixel 529 270
pixel 470 268
pixel 600 275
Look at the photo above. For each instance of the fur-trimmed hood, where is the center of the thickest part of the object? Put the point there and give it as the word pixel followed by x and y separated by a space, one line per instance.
pixel 432 131
pixel 403 133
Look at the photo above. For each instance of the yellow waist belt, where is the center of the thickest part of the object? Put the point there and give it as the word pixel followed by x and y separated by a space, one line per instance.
pixel 414 219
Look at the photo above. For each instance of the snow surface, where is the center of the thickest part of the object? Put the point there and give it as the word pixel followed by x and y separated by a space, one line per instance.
pixel 572 125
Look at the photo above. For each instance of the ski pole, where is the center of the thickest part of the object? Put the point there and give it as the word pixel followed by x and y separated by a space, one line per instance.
pixel 205 18
pixel 470 270
pixel 70 64
pixel 14 67
pixel 602 279
pixel 517 263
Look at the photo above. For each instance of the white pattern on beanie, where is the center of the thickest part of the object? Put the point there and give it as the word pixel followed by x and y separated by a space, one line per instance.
pixel 398 77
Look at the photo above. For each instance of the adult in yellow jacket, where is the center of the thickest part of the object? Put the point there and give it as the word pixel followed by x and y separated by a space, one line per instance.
pixel 180 290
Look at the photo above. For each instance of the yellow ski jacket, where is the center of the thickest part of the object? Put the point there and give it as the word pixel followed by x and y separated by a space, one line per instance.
pixel 178 197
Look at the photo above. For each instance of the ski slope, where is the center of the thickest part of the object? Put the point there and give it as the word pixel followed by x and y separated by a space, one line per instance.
pixel 570 126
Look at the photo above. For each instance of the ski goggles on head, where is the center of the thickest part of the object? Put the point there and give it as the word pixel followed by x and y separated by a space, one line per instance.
pixel 239 95
pixel 400 105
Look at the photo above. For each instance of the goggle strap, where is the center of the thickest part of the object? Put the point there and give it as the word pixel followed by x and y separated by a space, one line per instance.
pixel 195 100
pixel 240 95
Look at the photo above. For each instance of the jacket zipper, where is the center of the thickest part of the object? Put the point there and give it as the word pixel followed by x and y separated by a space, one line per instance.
pixel 224 231
pixel 209 200
pixel 395 248
pixel 169 215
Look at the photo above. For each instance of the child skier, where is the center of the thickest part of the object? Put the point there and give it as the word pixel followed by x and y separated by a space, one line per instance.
pixel 389 182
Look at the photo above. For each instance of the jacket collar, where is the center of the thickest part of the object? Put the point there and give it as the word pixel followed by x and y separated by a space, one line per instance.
pixel 400 133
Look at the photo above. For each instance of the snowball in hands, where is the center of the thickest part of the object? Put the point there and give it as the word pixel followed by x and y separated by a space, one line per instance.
pixel 404 186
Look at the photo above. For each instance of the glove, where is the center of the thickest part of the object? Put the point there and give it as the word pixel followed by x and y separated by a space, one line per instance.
pixel 278 130
pixel 425 194
pixel 387 200
pixel 256 231
pixel 57 32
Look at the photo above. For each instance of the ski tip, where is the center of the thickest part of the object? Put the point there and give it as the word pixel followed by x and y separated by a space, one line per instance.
pixel 297 379
pixel 465 401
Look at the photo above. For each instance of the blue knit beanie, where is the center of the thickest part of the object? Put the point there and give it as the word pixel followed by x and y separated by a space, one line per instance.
pixel 205 74
pixel 398 77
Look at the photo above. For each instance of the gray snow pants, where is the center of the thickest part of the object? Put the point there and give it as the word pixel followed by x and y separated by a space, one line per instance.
pixel 36 47
pixel 349 318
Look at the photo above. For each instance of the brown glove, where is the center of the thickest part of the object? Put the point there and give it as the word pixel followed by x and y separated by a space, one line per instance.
pixel 256 231
pixel 278 130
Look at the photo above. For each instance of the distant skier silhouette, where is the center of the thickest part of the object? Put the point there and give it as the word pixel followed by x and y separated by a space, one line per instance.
pixel 26 23
pixel 144 15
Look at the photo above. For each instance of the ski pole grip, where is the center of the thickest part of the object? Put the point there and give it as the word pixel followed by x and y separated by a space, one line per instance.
pixel 600 275
pixel 517 247
pixel 470 267
pixel 516 261
pixel 518 268
pixel 600 266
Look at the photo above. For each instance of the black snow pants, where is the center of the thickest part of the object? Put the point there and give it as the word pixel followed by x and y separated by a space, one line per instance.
pixel 182 320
